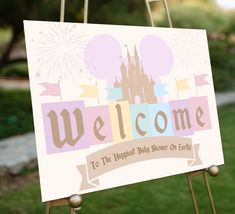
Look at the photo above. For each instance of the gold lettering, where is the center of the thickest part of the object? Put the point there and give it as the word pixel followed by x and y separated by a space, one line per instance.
pixel 98 124
pixel 158 128
pixel 55 130
pixel 184 114
pixel 138 129
pixel 120 121
pixel 67 127
pixel 199 114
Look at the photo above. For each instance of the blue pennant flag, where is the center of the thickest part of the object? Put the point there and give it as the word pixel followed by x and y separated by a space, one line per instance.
pixel 159 90
pixel 114 94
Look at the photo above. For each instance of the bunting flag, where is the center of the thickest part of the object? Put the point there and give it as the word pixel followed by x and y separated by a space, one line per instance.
pixel 200 80
pixel 114 94
pixel 181 85
pixel 50 89
pixel 160 90
pixel 89 91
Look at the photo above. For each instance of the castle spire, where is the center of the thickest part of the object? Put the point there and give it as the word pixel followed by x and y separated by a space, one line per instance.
pixel 137 61
pixel 134 82
pixel 124 71
pixel 142 69
pixel 128 56
pixel 116 83
pixel 151 80
pixel 135 52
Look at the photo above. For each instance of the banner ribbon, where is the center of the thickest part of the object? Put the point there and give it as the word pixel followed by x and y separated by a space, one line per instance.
pixel 122 154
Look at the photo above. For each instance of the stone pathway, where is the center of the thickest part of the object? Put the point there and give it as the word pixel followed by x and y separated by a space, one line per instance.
pixel 14 84
pixel 225 98
pixel 16 153
pixel 19 151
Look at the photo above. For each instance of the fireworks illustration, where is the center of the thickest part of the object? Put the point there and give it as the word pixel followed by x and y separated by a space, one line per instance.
pixel 60 52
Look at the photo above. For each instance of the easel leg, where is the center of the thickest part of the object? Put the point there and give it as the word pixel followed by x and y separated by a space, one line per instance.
pixel 192 193
pixel 74 201
pixel 72 211
pixel 209 192
pixel 213 171
pixel 47 210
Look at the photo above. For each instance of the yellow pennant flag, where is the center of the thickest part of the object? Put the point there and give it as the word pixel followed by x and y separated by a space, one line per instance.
pixel 182 84
pixel 89 91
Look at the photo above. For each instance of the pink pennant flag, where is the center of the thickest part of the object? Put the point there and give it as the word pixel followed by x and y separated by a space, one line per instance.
pixel 51 89
pixel 200 80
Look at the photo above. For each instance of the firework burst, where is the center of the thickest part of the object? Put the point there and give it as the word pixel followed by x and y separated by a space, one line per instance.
pixel 60 52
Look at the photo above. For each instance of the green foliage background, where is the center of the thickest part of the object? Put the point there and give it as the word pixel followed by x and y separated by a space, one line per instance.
pixel 185 14
pixel 16 113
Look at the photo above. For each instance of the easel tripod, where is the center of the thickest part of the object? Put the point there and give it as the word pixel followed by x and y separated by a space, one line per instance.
pixel 75 201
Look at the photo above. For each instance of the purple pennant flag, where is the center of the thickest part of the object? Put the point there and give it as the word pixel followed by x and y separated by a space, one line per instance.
pixel 200 80
pixel 50 89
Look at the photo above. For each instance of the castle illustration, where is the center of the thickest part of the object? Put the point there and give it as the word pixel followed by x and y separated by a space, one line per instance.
pixel 136 86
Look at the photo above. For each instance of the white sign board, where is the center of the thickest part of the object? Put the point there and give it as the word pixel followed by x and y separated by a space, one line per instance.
pixel 115 105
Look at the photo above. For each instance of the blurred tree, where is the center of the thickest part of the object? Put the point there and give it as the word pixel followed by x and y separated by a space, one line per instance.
pixel 192 2
pixel 131 12
pixel 231 15
pixel 185 13
pixel 159 12
pixel 213 20
pixel 197 14
pixel 13 12
pixel 223 64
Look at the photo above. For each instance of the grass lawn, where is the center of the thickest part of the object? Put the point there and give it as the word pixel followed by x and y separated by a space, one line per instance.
pixel 168 195
pixel 15 113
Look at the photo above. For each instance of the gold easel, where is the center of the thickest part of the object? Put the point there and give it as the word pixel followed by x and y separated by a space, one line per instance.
pixel 147 2
pixel 213 171
pixel 75 201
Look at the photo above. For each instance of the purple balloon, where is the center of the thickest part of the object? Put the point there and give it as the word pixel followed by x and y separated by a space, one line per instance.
pixel 156 56
pixel 103 57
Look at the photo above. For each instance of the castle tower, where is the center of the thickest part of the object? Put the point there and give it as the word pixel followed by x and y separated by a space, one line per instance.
pixel 135 84
pixel 142 70
pixel 128 57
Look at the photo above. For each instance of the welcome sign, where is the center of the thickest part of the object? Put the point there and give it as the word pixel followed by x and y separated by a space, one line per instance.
pixel 115 105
